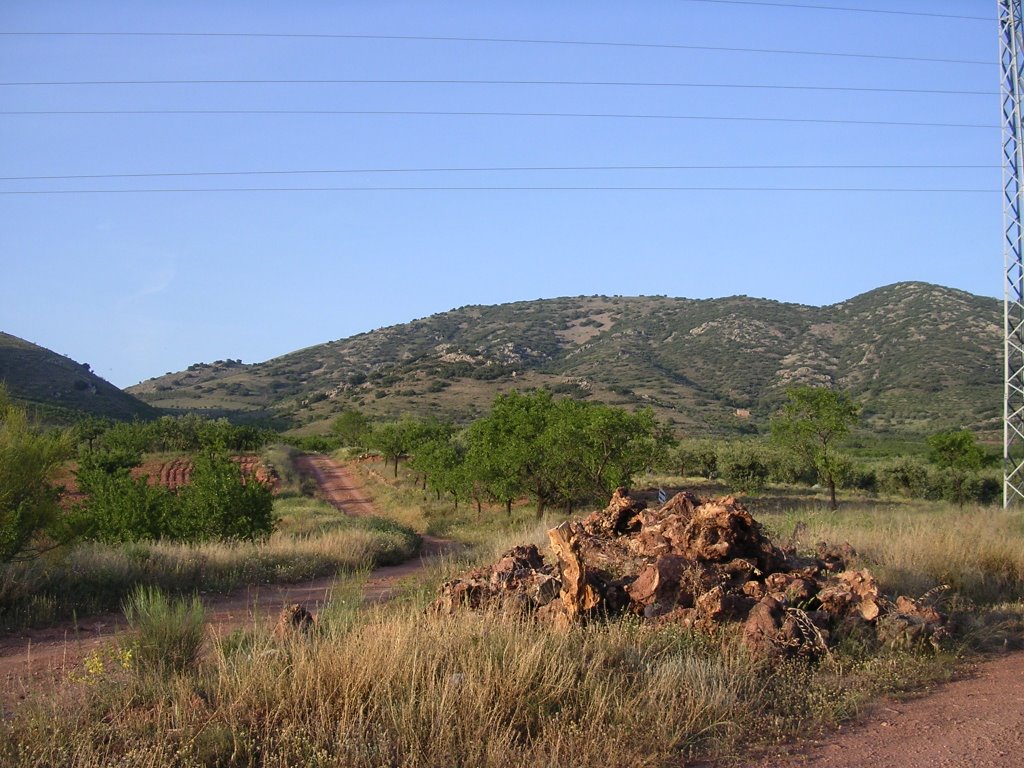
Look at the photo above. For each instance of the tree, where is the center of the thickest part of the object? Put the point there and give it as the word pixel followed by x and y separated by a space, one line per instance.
pixel 696 458
pixel 353 427
pixel 29 463
pixel 121 508
pixel 595 448
pixel 810 424
pixel 90 428
pixel 397 439
pixel 958 455
pixel 559 451
pixel 504 449
pixel 441 459
pixel 955 449
pixel 743 466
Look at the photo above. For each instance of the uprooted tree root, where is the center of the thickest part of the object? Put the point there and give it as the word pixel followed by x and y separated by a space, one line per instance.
pixel 699 564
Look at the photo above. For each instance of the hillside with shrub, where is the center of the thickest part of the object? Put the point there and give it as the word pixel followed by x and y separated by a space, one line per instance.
pixel 916 357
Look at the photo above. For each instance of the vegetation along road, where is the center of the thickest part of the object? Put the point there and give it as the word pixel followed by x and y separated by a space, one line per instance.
pixel 36 655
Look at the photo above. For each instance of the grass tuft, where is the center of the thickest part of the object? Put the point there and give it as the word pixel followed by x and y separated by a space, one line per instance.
pixel 168 632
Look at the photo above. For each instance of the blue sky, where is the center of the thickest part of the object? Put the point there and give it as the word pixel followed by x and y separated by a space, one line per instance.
pixel 139 283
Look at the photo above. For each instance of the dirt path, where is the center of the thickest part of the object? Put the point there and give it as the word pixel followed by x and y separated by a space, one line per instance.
pixel 33 656
pixel 976 721
pixel 338 485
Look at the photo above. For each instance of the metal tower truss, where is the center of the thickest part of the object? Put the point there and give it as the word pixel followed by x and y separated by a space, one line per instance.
pixel 1011 62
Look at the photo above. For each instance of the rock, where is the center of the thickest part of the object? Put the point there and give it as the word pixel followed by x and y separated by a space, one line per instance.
pixel 771 631
pixel 698 564
pixel 717 606
pixel 620 516
pixel 721 531
pixel 835 557
pixel 658 582
pixel 912 625
pixel 790 589
pixel 578 596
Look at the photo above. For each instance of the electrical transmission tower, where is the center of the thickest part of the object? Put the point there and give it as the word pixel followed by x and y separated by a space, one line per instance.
pixel 1011 63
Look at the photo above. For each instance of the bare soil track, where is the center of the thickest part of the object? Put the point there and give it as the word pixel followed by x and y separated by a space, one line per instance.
pixel 975 721
pixel 35 656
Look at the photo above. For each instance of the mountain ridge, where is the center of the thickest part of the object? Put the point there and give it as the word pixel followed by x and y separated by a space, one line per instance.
pixel 917 357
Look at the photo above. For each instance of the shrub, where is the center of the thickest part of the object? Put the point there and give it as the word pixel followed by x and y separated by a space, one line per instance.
pixel 121 508
pixel 29 461
pixel 218 503
pixel 168 632
pixel 743 466
pixel 861 478
pixel 904 477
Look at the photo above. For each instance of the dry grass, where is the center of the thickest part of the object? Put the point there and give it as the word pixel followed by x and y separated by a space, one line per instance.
pixel 977 551
pixel 397 688
pixel 403 500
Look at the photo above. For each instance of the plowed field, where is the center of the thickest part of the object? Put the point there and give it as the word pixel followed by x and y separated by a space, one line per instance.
pixel 176 472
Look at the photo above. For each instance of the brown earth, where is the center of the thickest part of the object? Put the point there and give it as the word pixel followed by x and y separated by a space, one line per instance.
pixel 30 657
pixel 976 721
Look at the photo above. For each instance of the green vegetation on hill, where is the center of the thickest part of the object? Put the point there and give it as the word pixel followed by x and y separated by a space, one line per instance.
pixel 56 389
pixel 915 357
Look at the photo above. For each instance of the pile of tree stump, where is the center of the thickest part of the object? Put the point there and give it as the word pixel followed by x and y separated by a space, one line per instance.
pixel 700 564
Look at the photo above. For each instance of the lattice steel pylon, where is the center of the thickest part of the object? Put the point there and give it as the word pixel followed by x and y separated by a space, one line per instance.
pixel 1011 63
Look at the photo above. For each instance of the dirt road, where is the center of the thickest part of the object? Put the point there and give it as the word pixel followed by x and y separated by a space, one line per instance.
pixel 976 721
pixel 32 656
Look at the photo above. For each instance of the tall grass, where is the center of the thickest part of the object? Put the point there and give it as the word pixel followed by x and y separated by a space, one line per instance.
pixel 978 552
pixel 397 688
pixel 405 501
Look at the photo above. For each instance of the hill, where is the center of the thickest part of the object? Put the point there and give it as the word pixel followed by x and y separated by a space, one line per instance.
pixel 918 357
pixel 58 389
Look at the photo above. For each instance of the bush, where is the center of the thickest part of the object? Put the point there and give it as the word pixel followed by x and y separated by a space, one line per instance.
pixel 743 467
pixel 121 508
pixel 218 503
pixel 168 632
pixel 904 477
pixel 861 478
pixel 29 461
pixel 913 478
pixel 696 458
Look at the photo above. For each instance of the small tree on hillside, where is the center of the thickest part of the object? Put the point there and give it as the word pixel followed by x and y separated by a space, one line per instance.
pixel 810 424
pixel 397 439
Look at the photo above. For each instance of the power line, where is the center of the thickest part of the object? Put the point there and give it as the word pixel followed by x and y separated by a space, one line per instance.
pixel 490 169
pixel 445 113
pixel 506 40
pixel 802 6
pixel 505 189
pixel 769 86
